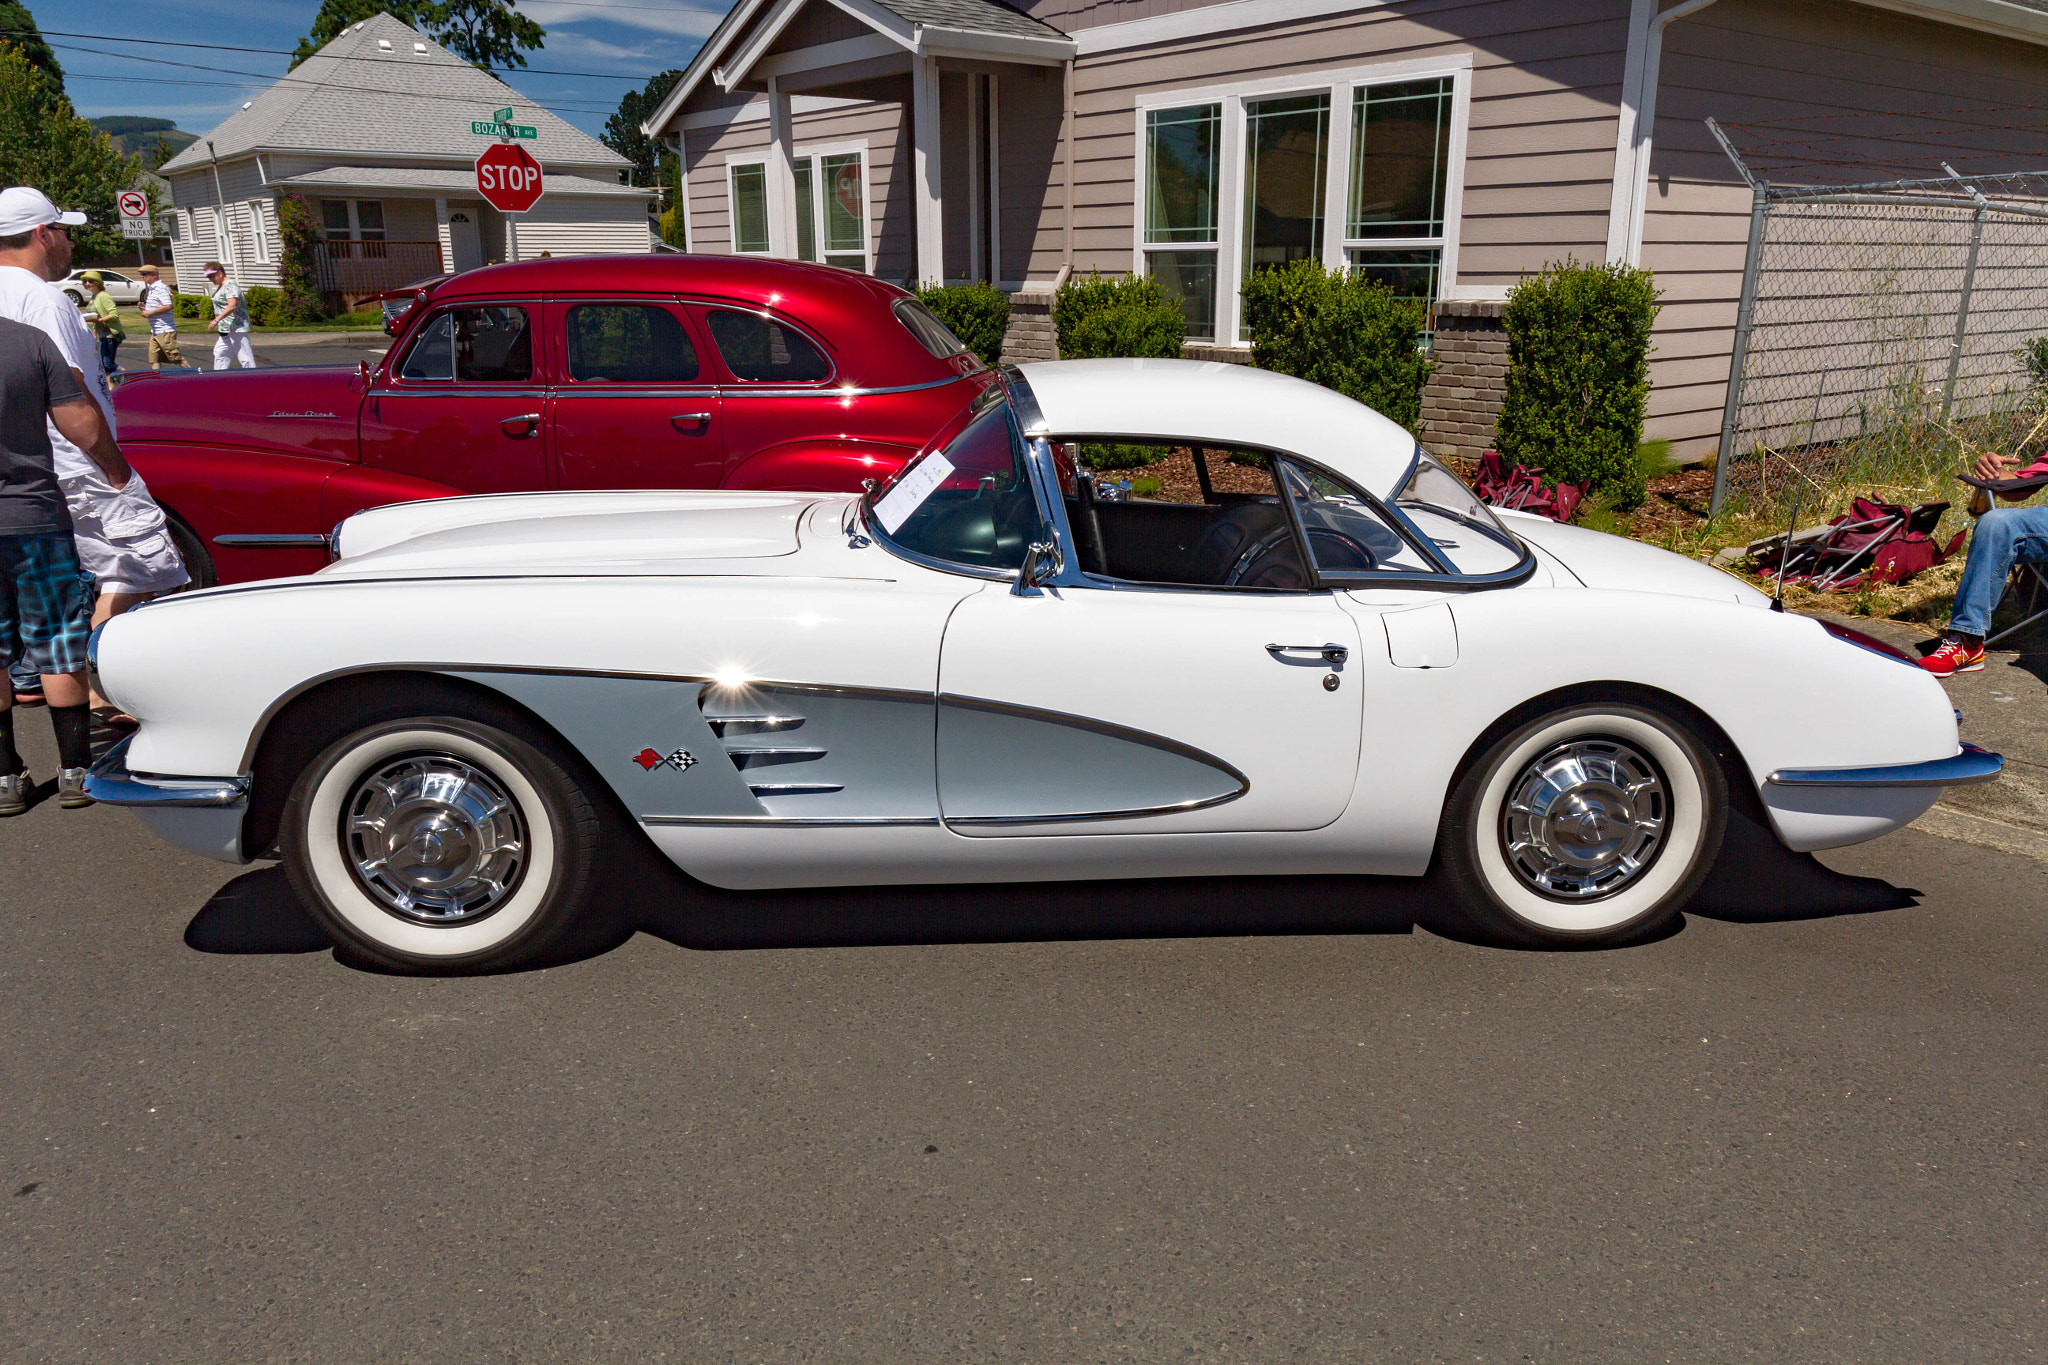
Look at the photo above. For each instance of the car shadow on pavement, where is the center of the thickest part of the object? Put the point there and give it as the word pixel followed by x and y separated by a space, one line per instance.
pixel 1756 881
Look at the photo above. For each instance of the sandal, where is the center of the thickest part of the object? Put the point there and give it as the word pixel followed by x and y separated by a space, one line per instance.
pixel 114 718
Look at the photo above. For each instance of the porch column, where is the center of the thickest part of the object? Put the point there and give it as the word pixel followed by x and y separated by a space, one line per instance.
pixel 782 238
pixel 926 204
pixel 441 234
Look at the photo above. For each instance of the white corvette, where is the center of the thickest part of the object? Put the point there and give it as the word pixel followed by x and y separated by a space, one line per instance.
pixel 1316 652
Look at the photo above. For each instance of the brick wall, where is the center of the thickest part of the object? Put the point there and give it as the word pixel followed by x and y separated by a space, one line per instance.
pixel 1029 336
pixel 1461 401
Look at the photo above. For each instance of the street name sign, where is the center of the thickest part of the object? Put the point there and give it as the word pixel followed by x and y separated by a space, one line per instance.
pixel 509 178
pixel 524 131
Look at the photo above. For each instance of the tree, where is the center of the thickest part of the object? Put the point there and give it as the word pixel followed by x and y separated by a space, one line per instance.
pixel 489 33
pixel 44 143
pixel 18 26
pixel 622 130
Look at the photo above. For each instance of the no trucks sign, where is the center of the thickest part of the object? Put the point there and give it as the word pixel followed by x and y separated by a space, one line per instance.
pixel 508 177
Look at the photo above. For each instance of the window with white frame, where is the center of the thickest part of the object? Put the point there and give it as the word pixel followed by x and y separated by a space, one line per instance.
pixel 352 220
pixel 831 200
pixel 1241 179
pixel 831 207
pixel 748 188
pixel 261 231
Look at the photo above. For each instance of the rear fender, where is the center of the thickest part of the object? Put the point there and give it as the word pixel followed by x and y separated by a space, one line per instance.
pixel 832 466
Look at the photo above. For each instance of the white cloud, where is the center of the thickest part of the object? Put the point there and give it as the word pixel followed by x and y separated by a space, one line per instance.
pixel 682 21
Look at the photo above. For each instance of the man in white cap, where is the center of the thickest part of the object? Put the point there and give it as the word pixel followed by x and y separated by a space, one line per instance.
pixel 122 536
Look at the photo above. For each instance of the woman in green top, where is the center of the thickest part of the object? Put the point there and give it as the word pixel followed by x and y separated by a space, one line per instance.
pixel 106 322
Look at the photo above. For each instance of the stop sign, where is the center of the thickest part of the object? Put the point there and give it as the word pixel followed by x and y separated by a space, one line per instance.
pixel 508 178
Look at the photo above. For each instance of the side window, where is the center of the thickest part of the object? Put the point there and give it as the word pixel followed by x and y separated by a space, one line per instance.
pixel 759 348
pixel 489 345
pixel 1344 534
pixel 628 343
pixel 1194 517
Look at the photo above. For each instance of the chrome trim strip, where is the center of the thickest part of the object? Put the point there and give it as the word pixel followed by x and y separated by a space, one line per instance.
pixel 257 731
pixel 792 755
pixel 1176 809
pixel 110 783
pixel 793 821
pixel 1971 766
pixel 834 391
pixel 423 388
pixel 795 788
pixel 255 539
pixel 1030 416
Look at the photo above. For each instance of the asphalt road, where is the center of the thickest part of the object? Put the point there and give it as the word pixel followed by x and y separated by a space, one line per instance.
pixel 1246 1121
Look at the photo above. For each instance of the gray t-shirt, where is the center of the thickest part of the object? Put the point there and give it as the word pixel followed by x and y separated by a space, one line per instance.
pixel 34 377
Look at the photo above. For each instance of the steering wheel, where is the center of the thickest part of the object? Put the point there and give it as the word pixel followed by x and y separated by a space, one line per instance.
pixel 1273 562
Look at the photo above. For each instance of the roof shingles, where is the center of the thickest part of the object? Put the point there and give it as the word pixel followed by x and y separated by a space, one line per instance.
pixel 356 98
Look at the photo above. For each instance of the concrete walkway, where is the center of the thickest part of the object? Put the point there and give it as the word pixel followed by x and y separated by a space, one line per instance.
pixel 2005 709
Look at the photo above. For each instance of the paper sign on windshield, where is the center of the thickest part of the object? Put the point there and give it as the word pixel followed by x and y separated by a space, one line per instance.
pixel 911 490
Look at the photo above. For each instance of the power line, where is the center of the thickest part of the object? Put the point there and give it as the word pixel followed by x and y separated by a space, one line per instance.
pixel 288 52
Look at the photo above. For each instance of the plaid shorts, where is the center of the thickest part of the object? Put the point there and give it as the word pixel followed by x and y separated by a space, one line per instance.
pixel 45 603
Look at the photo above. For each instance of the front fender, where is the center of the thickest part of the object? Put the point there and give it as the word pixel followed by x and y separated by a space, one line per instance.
pixel 222 491
pixel 834 466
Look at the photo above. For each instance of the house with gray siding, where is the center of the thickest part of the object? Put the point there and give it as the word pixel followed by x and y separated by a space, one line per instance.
pixel 374 131
pixel 1446 147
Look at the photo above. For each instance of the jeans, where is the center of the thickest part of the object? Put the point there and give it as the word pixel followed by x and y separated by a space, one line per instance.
pixel 110 348
pixel 2004 537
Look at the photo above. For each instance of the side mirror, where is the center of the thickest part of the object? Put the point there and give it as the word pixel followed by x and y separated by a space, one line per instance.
pixel 1041 565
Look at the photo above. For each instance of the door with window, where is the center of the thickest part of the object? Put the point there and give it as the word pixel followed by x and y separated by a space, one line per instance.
pixel 635 406
pixel 778 389
pixel 1187 679
pixel 464 404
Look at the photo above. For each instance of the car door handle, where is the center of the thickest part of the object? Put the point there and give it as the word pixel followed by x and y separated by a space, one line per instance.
pixel 526 424
pixel 1333 654
pixel 687 422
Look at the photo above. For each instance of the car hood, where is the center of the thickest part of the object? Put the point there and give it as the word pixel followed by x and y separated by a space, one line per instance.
pixel 554 533
pixel 1599 560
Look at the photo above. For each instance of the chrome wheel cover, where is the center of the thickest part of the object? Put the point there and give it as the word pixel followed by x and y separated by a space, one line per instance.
pixel 433 839
pixel 1585 819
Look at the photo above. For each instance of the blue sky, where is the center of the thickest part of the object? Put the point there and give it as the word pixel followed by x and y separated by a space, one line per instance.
pixel 633 39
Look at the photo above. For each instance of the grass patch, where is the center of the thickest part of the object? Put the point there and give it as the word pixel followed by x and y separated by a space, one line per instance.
pixel 1146 487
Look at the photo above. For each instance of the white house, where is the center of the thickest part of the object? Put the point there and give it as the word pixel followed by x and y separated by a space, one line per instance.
pixel 374 131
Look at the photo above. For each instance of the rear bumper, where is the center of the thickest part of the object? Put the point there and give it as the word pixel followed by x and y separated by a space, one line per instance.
pixel 1816 808
pixel 201 815
pixel 1971 765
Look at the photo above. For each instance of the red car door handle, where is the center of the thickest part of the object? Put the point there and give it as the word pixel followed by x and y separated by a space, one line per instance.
pixel 689 422
pixel 522 426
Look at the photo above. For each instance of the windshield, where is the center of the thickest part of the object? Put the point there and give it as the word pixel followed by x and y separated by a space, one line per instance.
pixel 969 504
pixel 1464 530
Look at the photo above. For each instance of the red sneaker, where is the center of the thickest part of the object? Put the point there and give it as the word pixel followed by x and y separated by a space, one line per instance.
pixel 1954 656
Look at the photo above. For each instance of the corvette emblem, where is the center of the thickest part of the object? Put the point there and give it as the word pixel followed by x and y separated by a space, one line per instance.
pixel 681 760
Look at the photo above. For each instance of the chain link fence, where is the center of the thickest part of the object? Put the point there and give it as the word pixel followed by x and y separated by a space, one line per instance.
pixel 1881 327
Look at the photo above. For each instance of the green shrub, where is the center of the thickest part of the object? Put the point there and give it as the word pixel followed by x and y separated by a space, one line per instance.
pixel 298 279
pixel 1125 316
pixel 2033 353
pixel 266 305
pixel 1579 375
pixel 1098 455
pixel 978 314
pixel 1343 331
pixel 188 305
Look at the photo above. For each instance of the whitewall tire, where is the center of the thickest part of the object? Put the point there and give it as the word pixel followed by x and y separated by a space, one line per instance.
pixel 1585 826
pixel 439 844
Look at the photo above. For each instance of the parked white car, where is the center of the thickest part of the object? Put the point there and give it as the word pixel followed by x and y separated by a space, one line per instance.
pixel 124 289
pixel 1331 658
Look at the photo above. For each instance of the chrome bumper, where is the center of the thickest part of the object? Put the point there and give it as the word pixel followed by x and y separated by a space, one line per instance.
pixel 111 784
pixel 1971 765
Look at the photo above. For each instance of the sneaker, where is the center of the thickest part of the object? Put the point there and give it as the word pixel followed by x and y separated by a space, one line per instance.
pixel 71 788
pixel 1955 656
pixel 14 792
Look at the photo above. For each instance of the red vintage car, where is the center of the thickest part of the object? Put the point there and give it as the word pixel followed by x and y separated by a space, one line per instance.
pixel 590 372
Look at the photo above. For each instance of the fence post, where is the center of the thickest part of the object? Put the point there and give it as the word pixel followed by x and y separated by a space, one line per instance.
pixel 1955 350
pixel 1745 314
